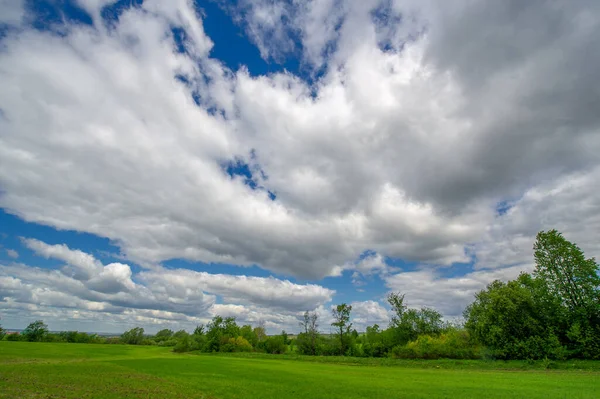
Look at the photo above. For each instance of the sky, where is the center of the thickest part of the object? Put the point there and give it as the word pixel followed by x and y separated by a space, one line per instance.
pixel 162 162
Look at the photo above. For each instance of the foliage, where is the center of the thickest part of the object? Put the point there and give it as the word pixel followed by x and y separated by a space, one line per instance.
pixel 570 284
pixel 36 331
pixel 274 345
pixel 14 337
pixel 453 344
pixel 135 336
pixel 183 344
pixel 307 341
pixel 341 317
pixel 553 313
pixel 163 335
pixel 408 324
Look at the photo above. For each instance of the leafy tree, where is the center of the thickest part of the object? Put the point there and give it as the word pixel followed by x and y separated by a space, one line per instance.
pixel 308 340
pixel 163 335
pixel 183 344
pixel 199 330
pixel 408 324
pixel 569 286
pixel 135 336
pixel 274 345
pixel 219 331
pixel 198 339
pixel 249 335
pixel 566 272
pixel 509 319
pixel 396 301
pixel 2 333
pixel 180 334
pixel 260 331
pixel 341 317
pixel 36 331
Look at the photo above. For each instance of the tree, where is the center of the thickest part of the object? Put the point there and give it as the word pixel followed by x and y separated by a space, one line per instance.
pixel 396 301
pixel 199 330
pixel 163 335
pixel 247 332
pixel 408 324
pixel 341 317
pixel 509 320
pixel 135 336
pixel 566 272
pixel 307 341
pixel 260 331
pixel 36 331
pixel 570 286
pixel 2 333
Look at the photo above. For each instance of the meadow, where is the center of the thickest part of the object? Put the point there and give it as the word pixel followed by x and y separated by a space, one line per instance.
pixel 57 370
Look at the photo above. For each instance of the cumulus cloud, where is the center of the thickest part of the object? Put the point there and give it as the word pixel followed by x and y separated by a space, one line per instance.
pixel 449 295
pixel 367 313
pixel 422 117
pixel 157 296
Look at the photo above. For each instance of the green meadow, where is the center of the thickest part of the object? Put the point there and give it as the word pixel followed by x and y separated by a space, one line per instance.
pixel 58 370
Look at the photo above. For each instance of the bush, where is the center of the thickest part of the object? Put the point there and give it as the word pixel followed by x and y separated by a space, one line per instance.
pixel 274 345
pixel 183 344
pixel 454 344
pixel 239 344
pixel 14 337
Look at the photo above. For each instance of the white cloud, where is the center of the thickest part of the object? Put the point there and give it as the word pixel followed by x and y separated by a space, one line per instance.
pixel 449 295
pixel 156 297
pixel 12 253
pixel 367 313
pixel 81 266
pixel 426 116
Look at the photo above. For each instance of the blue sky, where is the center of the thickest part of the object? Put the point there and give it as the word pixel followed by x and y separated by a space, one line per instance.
pixel 163 162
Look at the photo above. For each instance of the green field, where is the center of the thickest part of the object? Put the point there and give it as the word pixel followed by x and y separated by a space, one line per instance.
pixel 46 370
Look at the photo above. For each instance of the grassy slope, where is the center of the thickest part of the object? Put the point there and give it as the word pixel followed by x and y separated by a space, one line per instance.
pixel 32 370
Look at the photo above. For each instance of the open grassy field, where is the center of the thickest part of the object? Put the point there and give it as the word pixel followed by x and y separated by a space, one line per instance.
pixel 45 370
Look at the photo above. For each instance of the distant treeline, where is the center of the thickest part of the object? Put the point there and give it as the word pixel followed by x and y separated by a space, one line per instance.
pixel 553 313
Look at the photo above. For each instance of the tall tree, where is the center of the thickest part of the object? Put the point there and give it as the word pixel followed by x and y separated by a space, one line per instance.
pixel 135 336
pixel 570 280
pixel 341 317
pixel 307 340
pixel 566 272
pixel 36 331
pixel 396 301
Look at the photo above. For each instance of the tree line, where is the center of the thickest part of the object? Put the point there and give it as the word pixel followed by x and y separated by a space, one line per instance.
pixel 552 313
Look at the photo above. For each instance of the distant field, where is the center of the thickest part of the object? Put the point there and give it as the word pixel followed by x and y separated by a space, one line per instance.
pixel 46 370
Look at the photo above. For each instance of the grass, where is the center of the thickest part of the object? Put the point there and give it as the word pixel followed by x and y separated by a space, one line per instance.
pixel 46 370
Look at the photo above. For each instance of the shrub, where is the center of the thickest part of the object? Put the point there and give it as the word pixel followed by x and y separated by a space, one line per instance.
pixel 183 344
pixel 274 345
pixel 454 344
pixel 14 337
